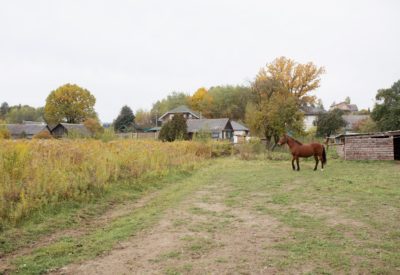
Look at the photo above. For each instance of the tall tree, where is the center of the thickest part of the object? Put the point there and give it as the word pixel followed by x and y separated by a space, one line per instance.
pixel 229 101
pixel 69 103
pixel 330 123
pixel 201 102
pixel 295 78
pixel 172 101
pixel 278 92
pixel 386 112
pixel 125 122
pixel 144 119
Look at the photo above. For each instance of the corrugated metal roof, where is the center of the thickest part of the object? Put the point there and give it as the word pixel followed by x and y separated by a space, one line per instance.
pixel 238 127
pixel 213 125
pixel 28 129
pixel 79 128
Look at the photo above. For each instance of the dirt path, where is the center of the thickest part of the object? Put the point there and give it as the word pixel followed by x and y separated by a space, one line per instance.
pixel 201 235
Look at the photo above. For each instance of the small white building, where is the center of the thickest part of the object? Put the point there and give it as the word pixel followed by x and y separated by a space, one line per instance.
pixel 310 116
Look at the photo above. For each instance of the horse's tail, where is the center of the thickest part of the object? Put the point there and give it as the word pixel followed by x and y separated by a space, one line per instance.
pixel 323 155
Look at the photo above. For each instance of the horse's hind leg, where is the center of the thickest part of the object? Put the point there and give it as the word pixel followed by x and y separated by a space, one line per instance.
pixel 298 165
pixel 322 163
pixel 316 163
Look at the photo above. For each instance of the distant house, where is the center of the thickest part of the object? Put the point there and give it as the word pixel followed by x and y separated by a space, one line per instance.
pixel 184 110
pixel 311 115
pixel 345 107
pixel 64 129
pixel 28 131
pixel 219 128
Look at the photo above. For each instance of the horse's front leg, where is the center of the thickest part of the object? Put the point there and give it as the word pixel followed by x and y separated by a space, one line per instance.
pixel 293 159
pixel 298 165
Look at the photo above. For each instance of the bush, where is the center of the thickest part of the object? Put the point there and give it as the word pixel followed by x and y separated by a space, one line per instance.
pixel 4 133
pixel 43 135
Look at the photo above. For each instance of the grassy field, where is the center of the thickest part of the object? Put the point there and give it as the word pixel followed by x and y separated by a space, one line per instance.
pixel 230 215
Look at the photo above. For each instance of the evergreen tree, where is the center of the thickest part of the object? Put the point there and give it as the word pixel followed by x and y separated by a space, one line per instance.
pixel 125 122
pixel 175 129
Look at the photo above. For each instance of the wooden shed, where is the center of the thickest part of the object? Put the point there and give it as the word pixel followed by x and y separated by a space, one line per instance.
pixel 375 146
pixel 64 129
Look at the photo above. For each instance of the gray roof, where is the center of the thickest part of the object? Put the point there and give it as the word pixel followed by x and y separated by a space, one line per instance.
pixel 78 128
pixel 238 127
pixel 181 110
pixel 309 110
pixel 213 125
pixel 352 120
pixel 28 129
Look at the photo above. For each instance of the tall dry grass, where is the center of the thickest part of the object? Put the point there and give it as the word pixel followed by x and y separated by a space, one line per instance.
pixel 37 173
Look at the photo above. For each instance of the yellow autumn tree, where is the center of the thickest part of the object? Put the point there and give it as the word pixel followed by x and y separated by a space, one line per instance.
pixel 279 90
pixel 295 78
pixel 201 101
pixel 69 103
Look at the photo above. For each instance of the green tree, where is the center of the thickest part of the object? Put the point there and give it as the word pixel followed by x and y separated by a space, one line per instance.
pixel 175 129
pixel 69 103
pixel 386 112
pixel 125 122
pixel 228 101
pixel 4 108
pixel 18 114
pixel 144 119
pixel 330 123
pixel 172 101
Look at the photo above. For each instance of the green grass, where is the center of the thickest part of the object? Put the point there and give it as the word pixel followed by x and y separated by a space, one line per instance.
pixel 345 219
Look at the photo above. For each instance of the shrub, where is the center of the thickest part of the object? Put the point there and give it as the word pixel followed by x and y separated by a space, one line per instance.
pixel 175 129
pixel 4 133
pixel 43 135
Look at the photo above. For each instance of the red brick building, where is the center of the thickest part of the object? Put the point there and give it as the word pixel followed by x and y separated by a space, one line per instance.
pixel 376 146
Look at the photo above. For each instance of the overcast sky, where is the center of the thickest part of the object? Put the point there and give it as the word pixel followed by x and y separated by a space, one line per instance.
pixel 138 51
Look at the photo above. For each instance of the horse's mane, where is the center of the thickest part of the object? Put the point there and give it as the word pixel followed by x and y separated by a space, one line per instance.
pixel 295 140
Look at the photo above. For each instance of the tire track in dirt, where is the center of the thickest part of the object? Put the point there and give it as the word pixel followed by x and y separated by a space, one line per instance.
pixel 201 235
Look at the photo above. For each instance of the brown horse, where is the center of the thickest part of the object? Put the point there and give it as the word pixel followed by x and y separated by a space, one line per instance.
pixel 301 150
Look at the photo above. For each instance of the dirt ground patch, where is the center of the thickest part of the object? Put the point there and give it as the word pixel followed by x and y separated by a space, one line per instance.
pixel 200 236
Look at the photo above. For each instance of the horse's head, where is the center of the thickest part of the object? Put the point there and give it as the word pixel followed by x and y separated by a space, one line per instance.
pixel 283 140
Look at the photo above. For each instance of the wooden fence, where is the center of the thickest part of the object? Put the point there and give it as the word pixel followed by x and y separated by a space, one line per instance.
pixel 149 135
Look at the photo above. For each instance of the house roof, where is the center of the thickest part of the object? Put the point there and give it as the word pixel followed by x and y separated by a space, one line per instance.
pixel 352 120
pixel 213 125
pixel 310 110
pixel 28 129
pixel 181 110
pixel 238 127
pixel 78 128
